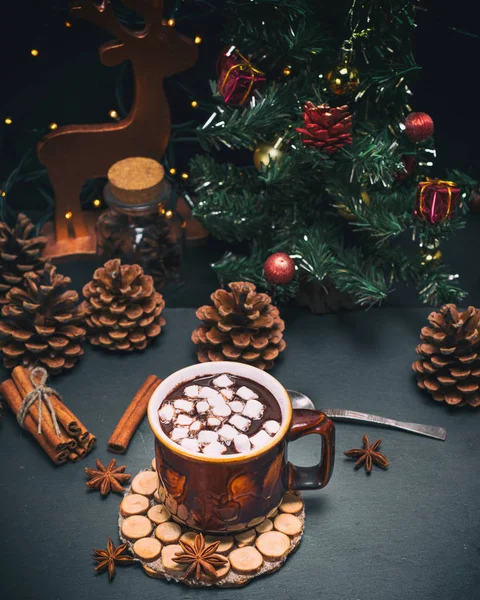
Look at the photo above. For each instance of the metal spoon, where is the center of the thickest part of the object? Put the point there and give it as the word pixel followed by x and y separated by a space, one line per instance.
pixel 299 400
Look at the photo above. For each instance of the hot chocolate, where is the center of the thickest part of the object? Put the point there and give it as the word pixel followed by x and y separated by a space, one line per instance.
pixel 220 414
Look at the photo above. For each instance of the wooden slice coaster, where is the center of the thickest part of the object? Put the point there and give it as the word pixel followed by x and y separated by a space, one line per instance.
pixel 226 542
pixel 168 532
pixel 158 513
pixel 291 504
pixel 273 545
pixel 153 537
pixel 135 504
pixel 136 527
pixel 246 538
pixel 145 483
pixel 147 549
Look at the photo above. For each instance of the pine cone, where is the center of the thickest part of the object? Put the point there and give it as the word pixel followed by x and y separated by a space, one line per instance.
pixel 42 323
pixel 450 367
pixel 123 309
pixel 20 252
pixel 242 326
pixel 325 127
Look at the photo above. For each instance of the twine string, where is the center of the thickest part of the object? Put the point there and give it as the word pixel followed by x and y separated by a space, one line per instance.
pixel 41 394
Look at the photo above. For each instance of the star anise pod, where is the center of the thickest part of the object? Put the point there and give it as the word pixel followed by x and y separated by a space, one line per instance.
pixel 106 559
pixel 107 479
pixel 200 557
pixel 368 455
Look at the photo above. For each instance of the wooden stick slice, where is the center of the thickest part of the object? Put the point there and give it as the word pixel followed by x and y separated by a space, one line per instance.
pixel 168 532
pixel 136 527
pixel 221 572
pixel 291 504
pixel 168 554
pixel 134 504
pixel 189 536
pixel 288 524
pixel 246 538
pixel 246 560
pixel 226 543
pixel 152 572
pixel 158 514
pixel 145 483
pixel 265 526
pixel 274 545
pixel 148 549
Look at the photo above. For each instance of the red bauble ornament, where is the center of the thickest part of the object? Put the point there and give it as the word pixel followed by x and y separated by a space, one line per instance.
pixel 409 163
pixel 474 202
pixel 419 126
pixel 325 127
pixel 279 268
pixel 237 77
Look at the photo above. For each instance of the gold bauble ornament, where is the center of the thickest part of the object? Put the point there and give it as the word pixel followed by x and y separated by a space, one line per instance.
pixel 264 153
pixel 346 213
pixel 430 253
pixel 344 78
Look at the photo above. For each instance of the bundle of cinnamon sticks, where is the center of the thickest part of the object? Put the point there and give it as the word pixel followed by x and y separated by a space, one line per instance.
pixel 74 441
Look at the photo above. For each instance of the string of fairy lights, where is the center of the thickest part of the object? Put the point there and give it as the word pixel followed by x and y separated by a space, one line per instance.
pixel 113 114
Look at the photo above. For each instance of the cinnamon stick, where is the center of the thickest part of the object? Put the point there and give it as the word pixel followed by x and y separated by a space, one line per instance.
pixel 57 451
pixel 132 417
pixel 65 417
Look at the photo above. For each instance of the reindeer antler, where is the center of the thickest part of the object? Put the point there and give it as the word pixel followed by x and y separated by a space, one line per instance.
pixel 103 15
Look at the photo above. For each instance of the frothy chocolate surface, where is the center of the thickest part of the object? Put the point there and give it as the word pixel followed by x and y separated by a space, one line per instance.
pixel 220 414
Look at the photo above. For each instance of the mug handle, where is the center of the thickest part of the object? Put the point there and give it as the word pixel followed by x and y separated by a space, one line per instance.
pixel 305 422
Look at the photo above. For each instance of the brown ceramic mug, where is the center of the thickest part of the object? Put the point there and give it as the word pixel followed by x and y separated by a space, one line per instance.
pixel 235 492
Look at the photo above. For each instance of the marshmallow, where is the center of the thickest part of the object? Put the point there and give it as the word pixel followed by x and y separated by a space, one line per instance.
pixel 190 444
pixel 213 422
pixel 206 437
pixel 184 405
pixel 166 413
pixel 196 426
pixel 260 439
pixel 237 406
pixel 271 427
pixel 253 409
pixel 202 407
pixel 246 393
pixel 227 432
pixel 223 381
pixel 241 443
pixel 179 433
pixel 240 422
pixel 183 420
pixel 192 391
pixel 214 449
pixel 207 392
pixel 216 399
pixel 227 393
pixel 221 410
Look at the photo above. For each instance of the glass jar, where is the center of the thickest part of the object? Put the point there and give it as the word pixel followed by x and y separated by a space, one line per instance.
pixel 141 234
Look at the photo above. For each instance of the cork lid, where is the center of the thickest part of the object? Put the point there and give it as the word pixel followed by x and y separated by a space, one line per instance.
pixel 136 180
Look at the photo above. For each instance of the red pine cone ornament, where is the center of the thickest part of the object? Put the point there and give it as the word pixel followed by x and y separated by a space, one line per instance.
pixel 279 268
pixel 419 126
pixel 325 127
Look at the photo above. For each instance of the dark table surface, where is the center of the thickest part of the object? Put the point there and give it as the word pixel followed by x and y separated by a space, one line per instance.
pixel 408 533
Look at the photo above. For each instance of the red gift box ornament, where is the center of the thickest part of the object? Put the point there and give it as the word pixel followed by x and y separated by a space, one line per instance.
pixel 436 200
pixel 237 77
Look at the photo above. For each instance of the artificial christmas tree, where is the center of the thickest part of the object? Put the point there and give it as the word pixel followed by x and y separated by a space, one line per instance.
pixel 338 152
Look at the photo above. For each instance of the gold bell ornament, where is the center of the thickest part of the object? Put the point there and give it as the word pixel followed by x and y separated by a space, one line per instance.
pixel 344 79
pixel 346 213
pixel 266 152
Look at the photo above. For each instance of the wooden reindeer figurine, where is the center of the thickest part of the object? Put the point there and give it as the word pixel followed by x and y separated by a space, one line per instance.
pixel 75 153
